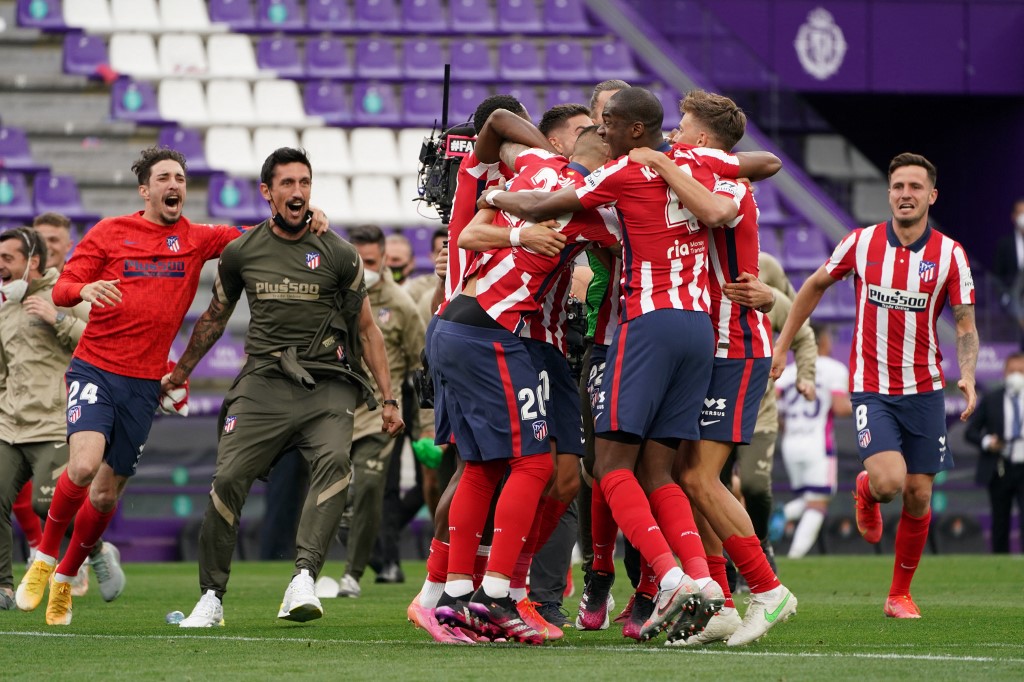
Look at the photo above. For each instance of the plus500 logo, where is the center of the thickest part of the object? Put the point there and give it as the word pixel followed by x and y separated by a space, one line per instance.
pixel 897 299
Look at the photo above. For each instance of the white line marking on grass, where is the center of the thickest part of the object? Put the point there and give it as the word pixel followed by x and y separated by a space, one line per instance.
pixel 566 647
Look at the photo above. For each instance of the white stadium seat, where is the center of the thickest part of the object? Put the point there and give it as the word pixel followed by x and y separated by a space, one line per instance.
pixel 825 156
pixel 410 141
pixel 229 149
pixel 184 101
pixel 870 201
pixel 375 152
pixel 134 54
pixel 182 54
pixel 330 193
pixel 861 168
pixel 328 150
pixel 230 102
pixel 134 15
pixel 266 139
pixel 279 102
pixel 414 212
pixel 89 15
pixel 231 55
pixel 375 199
pixel 185 15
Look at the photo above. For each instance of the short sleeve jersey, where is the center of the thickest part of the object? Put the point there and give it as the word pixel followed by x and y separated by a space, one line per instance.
pixel 158 268
pixel 290 286
pixel 812 421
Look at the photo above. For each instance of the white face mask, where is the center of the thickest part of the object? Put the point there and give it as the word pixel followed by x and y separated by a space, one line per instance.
pixel 15 291
pixel 371 277
pixel 1015 382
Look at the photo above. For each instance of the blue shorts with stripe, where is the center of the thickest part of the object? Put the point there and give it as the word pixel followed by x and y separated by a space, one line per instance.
pixel 119 407
pixel 492 392
pixel 914 425
pixel 657 374
pixel 733 399
pixel 594 371
pixel 442 427
pixel 561 397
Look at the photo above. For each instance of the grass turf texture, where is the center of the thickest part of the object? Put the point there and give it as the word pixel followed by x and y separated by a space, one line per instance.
pixel 971 630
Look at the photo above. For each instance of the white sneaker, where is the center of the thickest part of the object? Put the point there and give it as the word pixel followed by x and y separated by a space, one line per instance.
pixel 107 567
pixel 349 587
pixel 208 613
pixel 80 583
pixel 719 628
pixel 766 610
pixel 300 603
pixel 326 587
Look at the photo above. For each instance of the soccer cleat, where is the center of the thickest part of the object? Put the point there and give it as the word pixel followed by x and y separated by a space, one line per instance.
pixel 454 612
pixel 80 585
pixel 33 585
pixel 597 602
pixel 300 603
pixel 869 514
pixel 58 609
pixel 902 606
pixel 683 600
pixel 391 573
pixel 553 613
pixel 7 599
pixel 424 618
pixel 766 610
pixel 625 612
pixel 528 610
pixel 107 567
pixel 691 623
pixel 501 616
pixel 207 613
pixel 349 587
pixel 718 629
pixel 643 607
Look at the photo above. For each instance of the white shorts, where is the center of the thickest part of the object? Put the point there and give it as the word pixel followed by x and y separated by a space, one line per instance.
pixel 810 470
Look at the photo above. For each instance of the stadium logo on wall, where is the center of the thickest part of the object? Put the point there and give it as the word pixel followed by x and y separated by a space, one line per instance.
pixel 820 45
pixel 74 413
pixel 926 271
pixel 313 260
pixel 229 424
pixel 864 437
pixel 540 430
pixel 173 244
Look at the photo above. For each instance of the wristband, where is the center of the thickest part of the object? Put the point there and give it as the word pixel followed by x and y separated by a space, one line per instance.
pixel 390 401
pixel 513 236
pixel 489 197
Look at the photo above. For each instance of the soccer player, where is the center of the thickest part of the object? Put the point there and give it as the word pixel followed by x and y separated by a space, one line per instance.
pixel 904 272
pixel 310 326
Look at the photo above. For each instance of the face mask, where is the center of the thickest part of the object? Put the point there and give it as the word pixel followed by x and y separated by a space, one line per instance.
pixel 398 273
pixel 1020 222
pixel 370 277
pixel 292 229
pixel 1015 382
pixel 15 291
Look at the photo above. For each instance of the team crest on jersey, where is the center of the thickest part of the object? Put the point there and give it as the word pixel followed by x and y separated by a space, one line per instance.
pixel 540 429
pixel 864 437
pixel 340 352
pixel 313 260
pixel 74 413
pixel 173 244
pixel 229 423
pixel 384 315
pixel 926 271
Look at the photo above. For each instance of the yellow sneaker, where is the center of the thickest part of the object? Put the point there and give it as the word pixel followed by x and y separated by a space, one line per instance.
pixel 33 585
pixel 58 610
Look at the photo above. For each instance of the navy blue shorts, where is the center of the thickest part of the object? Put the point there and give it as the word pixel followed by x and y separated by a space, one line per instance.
pixel 733 399
pixel 561 395
pixel 119 407
pixel 492 392
pixel 442 427
pixel 657 374
pixel 914 425
pixel 595 379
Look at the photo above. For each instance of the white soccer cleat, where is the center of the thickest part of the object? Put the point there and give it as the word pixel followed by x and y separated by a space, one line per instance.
pixel 300 603
pixel 208 613
pixel 719 628
pixel 80 583
pixel 766 610
pixel 326 587
pixel 349 587
pixel 109 575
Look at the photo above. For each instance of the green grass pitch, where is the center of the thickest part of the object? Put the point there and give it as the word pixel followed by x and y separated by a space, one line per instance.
pixel 972 629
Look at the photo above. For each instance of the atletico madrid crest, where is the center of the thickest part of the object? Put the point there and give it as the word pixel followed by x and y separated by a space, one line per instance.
pixel 926 271
pixel 540 429
pixel 864 438
pixel 384 315
pixel 229 423
pixel 173 244
pixel 74 413
pixel 313 260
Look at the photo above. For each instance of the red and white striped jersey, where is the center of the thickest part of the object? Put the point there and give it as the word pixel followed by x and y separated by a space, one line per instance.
pixel 733 249
pixel 548 323
pixel 664 248
pixel 900 292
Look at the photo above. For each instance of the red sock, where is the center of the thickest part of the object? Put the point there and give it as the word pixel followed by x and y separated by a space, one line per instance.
pixel 648 580
pixel 911 536
pixel 632 512
pixel 603 531
pixel 483 554
pixel 437 561
pixel 551 513
pixel 717 566
pixel 89 526
pixel 67 499
pixel 751 562
pixel 864 489
pixel 516 510
pixel 468 513
pixel 27 517
pixel 522 569
pixel 671 508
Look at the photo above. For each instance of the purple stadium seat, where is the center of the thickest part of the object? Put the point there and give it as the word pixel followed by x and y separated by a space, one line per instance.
pixel 769 205
pixel 279 15
pixel 280 55
pixel 568 95
pixel 327 100
pixel 59 194
pixel 471 16
pixel 733 65
pixel 464 100
pixel 471 60
pixel 233 199
pixel 377 15
pixel 527 96
pixel 804 249
pixel 770 242
pixel 15 202
pixel 519 16
pixel 565 16
pixel 15 153
pixel 328 15
pixel 375 104
pixel 238 14
pixel 46 15
pixel 423 58
pixel 327 58
pixel 612 60
pixel 424 16
pixel 566 61
pixel 519 60
pixel 376 58
pixel 84 54
pixel 189 142
pixel 134 101
pixel 421 104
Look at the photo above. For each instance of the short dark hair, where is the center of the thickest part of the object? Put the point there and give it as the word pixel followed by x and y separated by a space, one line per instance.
pixel 719 114
pixel 439 233
pixel 556 116
pixel 640 105
pixel 51 218
pixel 29 241
pixel 367 234
pixel 282 156
pixel 492 104
pixel 911 159
pixel 605 86
pixel 151 156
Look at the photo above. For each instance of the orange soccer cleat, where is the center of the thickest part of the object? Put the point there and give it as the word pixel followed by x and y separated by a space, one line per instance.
pixel 869 514
pixel 902 606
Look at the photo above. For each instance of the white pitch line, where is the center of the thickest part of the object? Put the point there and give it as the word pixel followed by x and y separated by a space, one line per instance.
pixel 570 647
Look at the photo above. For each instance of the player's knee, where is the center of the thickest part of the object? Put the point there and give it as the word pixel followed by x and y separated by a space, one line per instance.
pixel 916 499
pixel 81 472
pixel 103 499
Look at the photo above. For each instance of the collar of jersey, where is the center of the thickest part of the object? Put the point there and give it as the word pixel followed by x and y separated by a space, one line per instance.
pixel 579 168
pixel 664 146
pixel 890 233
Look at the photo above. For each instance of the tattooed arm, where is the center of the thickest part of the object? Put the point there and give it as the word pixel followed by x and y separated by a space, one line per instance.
pixel 966 354
pixel 209 327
